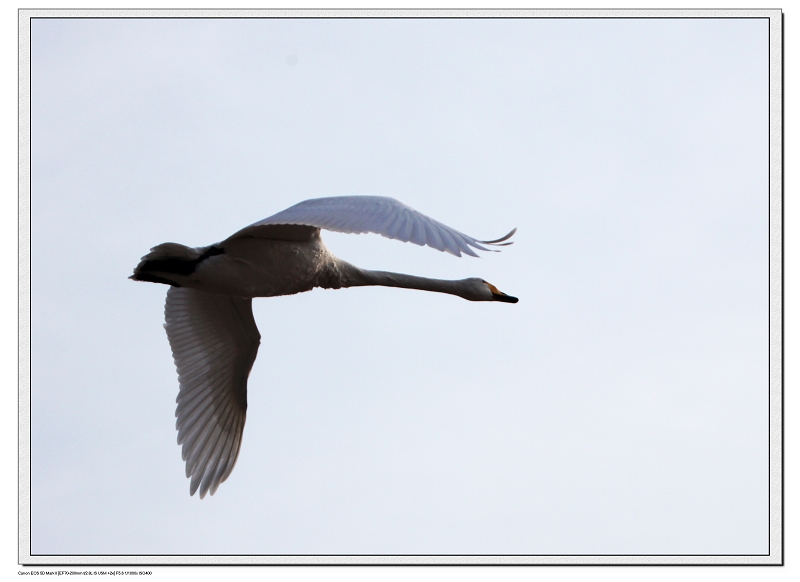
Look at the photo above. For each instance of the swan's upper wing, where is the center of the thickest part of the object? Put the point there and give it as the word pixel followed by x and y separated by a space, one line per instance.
pixel 214 342
pixel 385 216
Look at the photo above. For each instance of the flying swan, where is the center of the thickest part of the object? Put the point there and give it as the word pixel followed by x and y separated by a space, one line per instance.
pixel 209 316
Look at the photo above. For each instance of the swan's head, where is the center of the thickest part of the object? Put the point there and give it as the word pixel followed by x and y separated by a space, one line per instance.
pixel 480 290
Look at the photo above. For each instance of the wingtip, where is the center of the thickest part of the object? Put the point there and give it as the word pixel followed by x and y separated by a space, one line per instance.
pixel 500 241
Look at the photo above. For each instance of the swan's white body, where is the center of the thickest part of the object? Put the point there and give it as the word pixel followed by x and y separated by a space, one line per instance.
pixel 209 317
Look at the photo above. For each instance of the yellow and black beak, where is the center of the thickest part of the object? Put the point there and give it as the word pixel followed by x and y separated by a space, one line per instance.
pixel 498 295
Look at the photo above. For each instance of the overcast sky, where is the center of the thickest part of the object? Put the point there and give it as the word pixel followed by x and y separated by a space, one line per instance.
pixel 620 407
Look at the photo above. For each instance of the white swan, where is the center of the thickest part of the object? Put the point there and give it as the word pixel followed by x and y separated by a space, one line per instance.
pixel 209 316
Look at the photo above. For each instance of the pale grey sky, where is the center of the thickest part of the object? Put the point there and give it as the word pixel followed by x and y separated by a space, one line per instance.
pixel 619 407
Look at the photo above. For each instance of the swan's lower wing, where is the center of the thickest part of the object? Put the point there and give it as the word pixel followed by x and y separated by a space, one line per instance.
pixel 214 341
pixel 385 216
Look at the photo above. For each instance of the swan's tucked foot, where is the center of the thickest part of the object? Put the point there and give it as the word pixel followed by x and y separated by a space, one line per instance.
pixel 166 260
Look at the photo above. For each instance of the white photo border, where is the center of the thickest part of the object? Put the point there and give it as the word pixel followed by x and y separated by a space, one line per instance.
pixel 776 371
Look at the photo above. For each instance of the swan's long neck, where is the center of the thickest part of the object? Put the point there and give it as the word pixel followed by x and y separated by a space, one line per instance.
pixel 387 279
pixel 352 276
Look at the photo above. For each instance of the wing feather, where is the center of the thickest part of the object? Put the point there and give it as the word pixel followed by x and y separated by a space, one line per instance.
pixel 377 214
pixel 417 235
pixel 450 242
pixel 404 228
pixel 433 239
pixel 214 343
pixel 212 448
pixel 205 434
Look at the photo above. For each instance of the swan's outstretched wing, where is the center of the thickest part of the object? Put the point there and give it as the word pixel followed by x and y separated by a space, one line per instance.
pixel 214 342
pixel 385 216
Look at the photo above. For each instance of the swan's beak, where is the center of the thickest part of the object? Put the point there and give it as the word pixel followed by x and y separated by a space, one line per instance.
pixel 498 295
